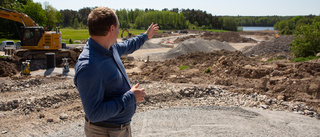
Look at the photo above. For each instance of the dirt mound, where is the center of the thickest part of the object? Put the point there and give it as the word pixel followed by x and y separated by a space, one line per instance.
pixel 8 67
pixel 259 33
pixel 197 45
pixel 150 45
pixel 226 36
pixel 287 81
pixel 276 45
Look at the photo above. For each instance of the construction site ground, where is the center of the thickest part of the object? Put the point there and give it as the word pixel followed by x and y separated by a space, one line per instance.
pixel 197 84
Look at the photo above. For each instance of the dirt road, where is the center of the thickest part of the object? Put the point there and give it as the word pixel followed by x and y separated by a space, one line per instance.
pixel 208 121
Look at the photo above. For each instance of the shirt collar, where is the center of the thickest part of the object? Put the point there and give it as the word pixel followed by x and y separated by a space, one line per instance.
pixel 101 50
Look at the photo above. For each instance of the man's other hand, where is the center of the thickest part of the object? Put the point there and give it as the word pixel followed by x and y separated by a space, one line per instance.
pixel 139 93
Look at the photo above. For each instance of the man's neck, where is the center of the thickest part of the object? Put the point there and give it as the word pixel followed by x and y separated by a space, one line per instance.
pixel 103 41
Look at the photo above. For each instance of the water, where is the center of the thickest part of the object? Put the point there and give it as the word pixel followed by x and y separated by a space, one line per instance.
pixel 255 28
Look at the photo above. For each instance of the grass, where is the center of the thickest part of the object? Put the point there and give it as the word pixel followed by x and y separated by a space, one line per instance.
pixel 3 39
pixel 74 34
pixel 207 70
pixel 183 67
pixel 216 30
pixel 272 59
pixel 302 59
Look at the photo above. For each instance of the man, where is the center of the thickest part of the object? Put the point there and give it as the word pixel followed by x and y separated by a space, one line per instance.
pixel 108 100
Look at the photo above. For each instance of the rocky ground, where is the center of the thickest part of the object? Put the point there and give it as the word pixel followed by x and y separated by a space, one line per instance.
pixel 38 106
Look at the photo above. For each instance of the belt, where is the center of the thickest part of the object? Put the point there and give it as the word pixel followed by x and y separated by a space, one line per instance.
pixel 107 125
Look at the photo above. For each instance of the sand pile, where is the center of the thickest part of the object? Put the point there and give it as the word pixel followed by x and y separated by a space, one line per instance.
pixel 277 45
pixel 194 45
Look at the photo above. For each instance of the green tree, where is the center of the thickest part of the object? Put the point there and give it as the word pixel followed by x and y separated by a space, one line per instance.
pixel 306 40
pixel 53 16
pixel 75 23
pixel 229 24
pixel 35 11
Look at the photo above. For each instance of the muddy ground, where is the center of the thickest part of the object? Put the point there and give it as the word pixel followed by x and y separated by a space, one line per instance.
pixel 37 106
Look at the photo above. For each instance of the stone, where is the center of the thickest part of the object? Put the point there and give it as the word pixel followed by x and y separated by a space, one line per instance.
pixel 264 106
pixel 281 97
pixel 276 73
pixel 308 112
pixel 64 116
pixel 41 116
pixel 50 120
pixel 318 54
pixel 15 101
pixel 4 132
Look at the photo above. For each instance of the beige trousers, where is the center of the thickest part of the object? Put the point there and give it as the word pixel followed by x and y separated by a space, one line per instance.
pixel 97 131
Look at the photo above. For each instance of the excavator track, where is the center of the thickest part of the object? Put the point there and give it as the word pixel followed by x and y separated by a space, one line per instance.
pixel 26 54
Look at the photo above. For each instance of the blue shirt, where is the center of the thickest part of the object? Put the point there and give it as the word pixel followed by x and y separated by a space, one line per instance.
pixel 102 82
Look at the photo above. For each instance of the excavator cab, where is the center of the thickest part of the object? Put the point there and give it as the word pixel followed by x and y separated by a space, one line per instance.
pixel 31 35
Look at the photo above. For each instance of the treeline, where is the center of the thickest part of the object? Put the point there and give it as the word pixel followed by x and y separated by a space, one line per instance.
pixel 167 19
pixel 259 21
pixel 288 26
pixel 174 19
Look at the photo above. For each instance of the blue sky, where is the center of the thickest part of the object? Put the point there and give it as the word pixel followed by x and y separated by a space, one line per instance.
pixel 215 7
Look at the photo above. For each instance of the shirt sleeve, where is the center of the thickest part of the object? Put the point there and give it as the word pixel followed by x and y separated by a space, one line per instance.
pixel 90 87
pixel 131 45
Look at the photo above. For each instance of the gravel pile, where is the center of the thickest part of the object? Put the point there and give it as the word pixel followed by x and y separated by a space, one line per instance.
pixel 150 45
pixel 194 45
pixel 277 45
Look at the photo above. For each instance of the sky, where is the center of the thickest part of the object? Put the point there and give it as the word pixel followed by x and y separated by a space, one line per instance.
pixel 215 7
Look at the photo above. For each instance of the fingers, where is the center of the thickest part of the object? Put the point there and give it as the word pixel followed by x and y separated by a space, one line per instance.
pixel 151 25
pixel 137 85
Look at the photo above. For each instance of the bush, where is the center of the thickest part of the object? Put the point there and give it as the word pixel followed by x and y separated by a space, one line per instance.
pixel 306 40
pixel 70 41
pixel 207 70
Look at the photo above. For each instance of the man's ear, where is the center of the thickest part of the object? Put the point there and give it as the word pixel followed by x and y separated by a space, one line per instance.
pixel 112 29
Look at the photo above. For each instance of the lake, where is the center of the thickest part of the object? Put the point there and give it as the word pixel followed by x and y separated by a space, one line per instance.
pixel 255 28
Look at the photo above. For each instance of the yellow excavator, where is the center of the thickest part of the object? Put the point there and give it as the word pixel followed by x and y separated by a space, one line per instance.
pixel 35 41
pixel 128 36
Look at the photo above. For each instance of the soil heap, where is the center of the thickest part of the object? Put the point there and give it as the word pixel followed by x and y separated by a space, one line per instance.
pixel 226 36
pixel 8 67
pixel 285 81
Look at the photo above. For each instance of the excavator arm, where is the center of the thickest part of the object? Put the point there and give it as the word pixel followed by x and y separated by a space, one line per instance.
pixel 17 16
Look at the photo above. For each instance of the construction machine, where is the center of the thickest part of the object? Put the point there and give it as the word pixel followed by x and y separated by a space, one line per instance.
pixel 35 41
pixel 128 36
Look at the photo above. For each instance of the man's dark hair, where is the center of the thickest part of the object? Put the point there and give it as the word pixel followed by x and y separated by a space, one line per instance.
pixel 100 20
